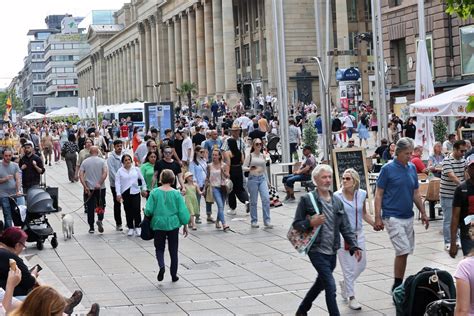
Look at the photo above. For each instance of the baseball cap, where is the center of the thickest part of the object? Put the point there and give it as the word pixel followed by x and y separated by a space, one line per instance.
pixel 470 160
pixel 28 143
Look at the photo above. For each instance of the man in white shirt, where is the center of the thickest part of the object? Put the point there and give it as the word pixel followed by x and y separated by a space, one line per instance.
pixel 348 124
pixel 187 148
pixel 268 99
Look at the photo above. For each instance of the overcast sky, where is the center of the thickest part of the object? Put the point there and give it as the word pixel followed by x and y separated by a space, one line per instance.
pixel 21 15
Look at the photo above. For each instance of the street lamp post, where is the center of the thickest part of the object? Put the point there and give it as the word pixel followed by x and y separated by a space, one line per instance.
pixel 96 116
pixel 157 89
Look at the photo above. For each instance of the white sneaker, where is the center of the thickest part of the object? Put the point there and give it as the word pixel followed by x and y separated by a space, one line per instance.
pixel 130 232
pixel 138 232
pixel 342 285
pixel 353 304
pixel 231 212
pixel 254 225
pixel 447 247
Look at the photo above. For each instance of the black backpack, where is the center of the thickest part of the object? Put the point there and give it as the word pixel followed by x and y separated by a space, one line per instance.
pixel 441 308
pixel 420 289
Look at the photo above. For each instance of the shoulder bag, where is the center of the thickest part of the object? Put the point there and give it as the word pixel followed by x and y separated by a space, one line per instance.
pixel 226 184
pixel 302 241
pixel 146 232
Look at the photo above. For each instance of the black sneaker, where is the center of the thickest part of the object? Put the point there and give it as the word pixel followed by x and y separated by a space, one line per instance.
pixel 175 279
pixel 100 227
pixel 161 274
pixel 91 230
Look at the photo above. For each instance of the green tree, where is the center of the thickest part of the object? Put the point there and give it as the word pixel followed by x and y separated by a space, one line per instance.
pixel 310 136
pixel 17 104
pixel 440 129
pixel 463 9
pixel 186 90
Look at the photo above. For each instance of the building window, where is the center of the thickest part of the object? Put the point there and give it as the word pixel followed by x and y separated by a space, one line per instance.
pixel 237 57
pixel 399 53
pixel 352 10
pixel 257 52
pixel 246 17
pixel 246 55
pixel 467 51
pixel 394 3
pixel 236 21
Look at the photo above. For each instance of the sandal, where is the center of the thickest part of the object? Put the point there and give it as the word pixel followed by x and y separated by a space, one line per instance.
pixel 194 228
pixel 226 228
pixel 218 225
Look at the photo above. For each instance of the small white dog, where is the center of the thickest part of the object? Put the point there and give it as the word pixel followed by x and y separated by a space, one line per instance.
pixel 68 226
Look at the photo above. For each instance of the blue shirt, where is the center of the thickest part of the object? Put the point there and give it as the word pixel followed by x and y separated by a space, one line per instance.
pixel 212 144
pixel 399 183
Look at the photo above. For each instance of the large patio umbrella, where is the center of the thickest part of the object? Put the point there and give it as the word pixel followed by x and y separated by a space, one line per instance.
pixel 64 112
pixel 33 116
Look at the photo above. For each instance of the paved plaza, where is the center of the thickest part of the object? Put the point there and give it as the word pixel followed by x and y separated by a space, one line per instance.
pixel 246 271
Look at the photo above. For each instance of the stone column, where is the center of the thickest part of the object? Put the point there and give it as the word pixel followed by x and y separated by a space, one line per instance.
pixel 200 51
pixel 171 60
pixel 124 75
pixel 154 61
pixel 159 48
pixel 133 77
pixel 149 67
pixel 138 75
pixel 142 56
pixel 185 46
pixel 208 30
pixel 230 70
pixel 192 46
pixel 218 46
pixel 117 77
pixel 270 47
pixel 178 52
pixel 129 73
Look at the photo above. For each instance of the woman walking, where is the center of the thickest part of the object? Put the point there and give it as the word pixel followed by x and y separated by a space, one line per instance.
pixel 198 167
pixel 70 150
pixel 217 173
pixel 353 198
pixel 56 146
pixel 236 174
pixel 168 213
pixel 363 130
pixel 81 138
pixel 255 164
pixel 148 169
pixel 128 184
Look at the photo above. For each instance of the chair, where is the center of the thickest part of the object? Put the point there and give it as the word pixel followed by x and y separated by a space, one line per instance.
pixel 432 195
pixel 422 177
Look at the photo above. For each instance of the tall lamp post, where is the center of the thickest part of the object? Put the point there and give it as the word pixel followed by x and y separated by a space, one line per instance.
pixel 157 89
pixel 94 91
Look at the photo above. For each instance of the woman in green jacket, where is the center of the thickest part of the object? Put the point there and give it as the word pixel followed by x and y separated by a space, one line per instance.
pixel 168 213
pixel 148 168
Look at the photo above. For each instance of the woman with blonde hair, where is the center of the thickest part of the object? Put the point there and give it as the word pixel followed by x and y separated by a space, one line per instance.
pixel 353 198
pixel 43 300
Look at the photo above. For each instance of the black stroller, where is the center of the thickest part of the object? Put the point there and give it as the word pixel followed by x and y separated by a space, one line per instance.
pixel 36 225
pixel 273 142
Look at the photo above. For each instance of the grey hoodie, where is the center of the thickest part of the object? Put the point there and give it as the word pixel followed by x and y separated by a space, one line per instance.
pixel 114 162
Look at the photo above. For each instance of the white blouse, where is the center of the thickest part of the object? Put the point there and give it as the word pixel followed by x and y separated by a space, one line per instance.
pixel 128 179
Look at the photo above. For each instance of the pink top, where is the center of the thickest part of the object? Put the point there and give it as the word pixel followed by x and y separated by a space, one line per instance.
pixel 465 271
pixel 373 122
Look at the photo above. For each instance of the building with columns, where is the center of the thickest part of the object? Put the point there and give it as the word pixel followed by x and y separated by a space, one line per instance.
pixel 225 47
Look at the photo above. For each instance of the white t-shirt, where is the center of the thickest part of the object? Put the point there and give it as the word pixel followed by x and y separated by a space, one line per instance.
pixel 347 122
pixel 187 144
pixel 243 121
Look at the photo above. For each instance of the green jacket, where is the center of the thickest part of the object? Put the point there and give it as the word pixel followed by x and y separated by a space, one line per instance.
pixel 148 170
pixel 167 210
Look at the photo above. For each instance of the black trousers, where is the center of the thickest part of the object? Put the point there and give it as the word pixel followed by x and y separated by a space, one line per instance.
pixel 160 242
pixel 238 190
pixel 96 199
pixel 117 208
pixel 131 205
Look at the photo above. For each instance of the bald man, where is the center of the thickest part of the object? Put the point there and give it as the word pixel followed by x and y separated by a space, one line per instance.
pixel 92 173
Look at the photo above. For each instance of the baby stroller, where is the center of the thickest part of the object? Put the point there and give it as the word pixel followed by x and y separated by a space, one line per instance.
pixel 273 142
pixel 35 223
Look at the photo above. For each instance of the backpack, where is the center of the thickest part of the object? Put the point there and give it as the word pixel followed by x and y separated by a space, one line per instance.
pixel 419 290
pixel 441 308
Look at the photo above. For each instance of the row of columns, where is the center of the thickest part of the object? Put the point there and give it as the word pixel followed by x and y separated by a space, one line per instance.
pixel 201 48
pixel 122 69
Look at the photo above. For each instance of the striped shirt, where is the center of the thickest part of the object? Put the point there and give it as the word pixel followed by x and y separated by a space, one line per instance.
pixel 450 164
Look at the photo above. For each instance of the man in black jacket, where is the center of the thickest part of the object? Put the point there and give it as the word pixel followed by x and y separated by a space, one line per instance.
pixel 32 167
pixel 332 220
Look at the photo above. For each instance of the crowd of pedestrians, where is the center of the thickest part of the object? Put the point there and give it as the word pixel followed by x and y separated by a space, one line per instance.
pixel 215 162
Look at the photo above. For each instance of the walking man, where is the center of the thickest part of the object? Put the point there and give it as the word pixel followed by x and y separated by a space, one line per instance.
pixel 397 189
pixel 333 222
pixel 10 183
pixel 451 176
pixel 32 167
pixel 114 162
pixel 92 173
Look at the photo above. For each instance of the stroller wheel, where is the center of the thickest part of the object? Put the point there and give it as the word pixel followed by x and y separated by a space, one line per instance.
pixel 39 245
pixel 54 242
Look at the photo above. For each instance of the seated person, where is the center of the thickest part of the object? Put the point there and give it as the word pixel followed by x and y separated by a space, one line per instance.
pixel 302 174
pixel 416 160
pixel 380 150
pixel 389 153
pixel 350 143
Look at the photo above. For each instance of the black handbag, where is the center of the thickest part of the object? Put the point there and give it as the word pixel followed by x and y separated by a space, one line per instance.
pixel 147 233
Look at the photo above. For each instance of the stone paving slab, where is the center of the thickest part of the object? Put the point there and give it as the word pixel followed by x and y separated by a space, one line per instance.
pixel 248 271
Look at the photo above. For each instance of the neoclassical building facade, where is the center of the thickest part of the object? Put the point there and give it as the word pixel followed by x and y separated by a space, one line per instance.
pixel 225 47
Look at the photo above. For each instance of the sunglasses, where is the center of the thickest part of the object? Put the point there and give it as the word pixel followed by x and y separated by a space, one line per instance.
pixel 167 152
pixel 258 144
pixel 347 178
pixel 351 142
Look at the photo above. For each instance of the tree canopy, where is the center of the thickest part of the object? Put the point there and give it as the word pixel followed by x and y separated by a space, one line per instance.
pixel 463 9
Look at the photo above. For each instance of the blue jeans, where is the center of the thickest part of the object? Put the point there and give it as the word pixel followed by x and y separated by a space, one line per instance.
pixel 289 180
pixel 447 206
pixel 324 265
pixel 220 201
pixel 256 184
pixel 7 211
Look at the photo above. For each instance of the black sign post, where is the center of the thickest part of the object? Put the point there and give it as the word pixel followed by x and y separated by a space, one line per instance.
pixel 345 158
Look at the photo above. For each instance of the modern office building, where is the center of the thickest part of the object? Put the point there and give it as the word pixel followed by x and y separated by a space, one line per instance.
pixel 54 21
pixel 62 51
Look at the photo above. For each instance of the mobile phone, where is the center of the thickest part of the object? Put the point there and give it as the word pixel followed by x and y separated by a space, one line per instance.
pixel 39 268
